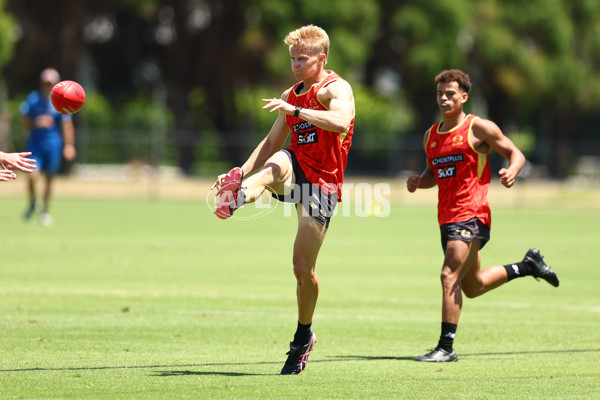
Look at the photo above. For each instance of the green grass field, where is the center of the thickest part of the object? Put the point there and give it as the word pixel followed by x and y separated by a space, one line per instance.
pixel 158 299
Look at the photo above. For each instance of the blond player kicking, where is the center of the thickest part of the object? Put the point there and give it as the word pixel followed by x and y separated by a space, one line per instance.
pixel 318 113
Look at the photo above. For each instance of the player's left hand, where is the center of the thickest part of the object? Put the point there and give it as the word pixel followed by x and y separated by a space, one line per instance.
pixel 507 177
pixel 278 104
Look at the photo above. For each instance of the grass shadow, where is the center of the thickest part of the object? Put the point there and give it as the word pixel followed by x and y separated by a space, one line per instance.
pixel 365 358
pixel 338 358
pixel 510 353
pixel 150 366
pixel 205 373
pixel 469 355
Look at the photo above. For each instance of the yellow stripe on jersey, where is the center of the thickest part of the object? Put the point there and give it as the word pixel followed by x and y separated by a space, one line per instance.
pixel 481 157
pixel 343 135
pixel 481 163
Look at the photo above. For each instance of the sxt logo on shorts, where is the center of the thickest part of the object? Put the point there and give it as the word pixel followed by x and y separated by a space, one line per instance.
pixel 308 137
pixel 447 171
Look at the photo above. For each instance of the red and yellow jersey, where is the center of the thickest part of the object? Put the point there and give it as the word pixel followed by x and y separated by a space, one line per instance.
pixel 462 173
pixel 321 154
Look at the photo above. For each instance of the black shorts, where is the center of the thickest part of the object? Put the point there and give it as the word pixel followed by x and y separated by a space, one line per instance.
pixel 318 204
pixel 465 232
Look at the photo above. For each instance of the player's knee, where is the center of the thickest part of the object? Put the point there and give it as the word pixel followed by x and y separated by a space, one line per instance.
pixel 302 269
pixel 276 166
pixel 273 168
pixel 448 277
pixel 279 166
pixel 450 281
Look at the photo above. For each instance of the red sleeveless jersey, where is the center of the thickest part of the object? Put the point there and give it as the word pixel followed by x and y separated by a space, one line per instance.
pixel 462 174
pixel 321 154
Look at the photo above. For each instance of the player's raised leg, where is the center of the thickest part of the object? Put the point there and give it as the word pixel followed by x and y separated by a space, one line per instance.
pixel 276 176
pixel 478 281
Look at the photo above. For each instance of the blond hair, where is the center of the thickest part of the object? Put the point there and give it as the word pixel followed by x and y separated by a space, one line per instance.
pixel 311 36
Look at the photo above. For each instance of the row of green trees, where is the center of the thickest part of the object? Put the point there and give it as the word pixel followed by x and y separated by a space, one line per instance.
pixel 210 62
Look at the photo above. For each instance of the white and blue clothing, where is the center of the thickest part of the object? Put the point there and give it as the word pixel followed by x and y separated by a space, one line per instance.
pixel 45 144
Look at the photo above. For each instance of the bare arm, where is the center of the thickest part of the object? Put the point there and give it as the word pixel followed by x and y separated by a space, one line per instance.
pixel 12 161
pixel 68 131
pixel 426 179
pixel 271 144
pixel 488 135
pixel 337 97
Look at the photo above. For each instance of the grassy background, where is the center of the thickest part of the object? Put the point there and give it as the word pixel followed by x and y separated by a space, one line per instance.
pixel 157 298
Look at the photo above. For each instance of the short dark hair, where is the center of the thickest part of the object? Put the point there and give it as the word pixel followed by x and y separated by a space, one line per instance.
pixel 454 75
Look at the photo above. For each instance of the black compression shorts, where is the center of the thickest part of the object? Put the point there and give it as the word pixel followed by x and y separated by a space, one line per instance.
pixel 465 231
pixel 318 204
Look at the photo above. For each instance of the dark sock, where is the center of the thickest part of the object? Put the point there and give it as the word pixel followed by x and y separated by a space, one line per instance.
pixel 517 270
pixel 303 334
pixel 447 337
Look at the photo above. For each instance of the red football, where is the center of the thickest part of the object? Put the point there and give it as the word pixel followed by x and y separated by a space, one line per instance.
pixel 67 97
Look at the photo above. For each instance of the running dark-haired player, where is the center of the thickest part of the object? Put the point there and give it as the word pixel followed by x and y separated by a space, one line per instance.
pixel 457 150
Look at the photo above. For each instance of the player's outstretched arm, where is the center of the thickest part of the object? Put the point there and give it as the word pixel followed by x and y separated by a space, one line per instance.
pixel 337 97
pixel 12 161
pixel 271 144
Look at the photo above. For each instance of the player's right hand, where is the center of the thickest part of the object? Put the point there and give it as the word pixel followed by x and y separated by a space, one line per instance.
pixel 412 183
pixel 217 184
